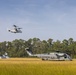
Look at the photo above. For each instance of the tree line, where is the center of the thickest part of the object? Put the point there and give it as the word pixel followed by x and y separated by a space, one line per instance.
pixel 16 48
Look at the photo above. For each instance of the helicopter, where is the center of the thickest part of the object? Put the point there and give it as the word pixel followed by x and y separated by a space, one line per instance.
pixel 15 29
pixel 50 56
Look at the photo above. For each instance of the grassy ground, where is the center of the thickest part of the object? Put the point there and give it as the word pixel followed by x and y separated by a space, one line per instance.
pixel 34 66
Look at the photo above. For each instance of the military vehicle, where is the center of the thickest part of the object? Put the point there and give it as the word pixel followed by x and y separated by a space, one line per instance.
pixel 51 56
pixel 15 29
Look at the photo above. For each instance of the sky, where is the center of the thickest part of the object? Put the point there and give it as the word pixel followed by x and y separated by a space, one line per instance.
pixel 42 19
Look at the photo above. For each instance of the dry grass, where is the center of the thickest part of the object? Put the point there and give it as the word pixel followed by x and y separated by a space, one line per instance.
pixel 34 66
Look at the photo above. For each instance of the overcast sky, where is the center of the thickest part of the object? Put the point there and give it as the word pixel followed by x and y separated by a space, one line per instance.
pixel 43 19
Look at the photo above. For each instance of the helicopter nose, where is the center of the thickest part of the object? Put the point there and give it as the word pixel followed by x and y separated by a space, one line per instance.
pixel 9 30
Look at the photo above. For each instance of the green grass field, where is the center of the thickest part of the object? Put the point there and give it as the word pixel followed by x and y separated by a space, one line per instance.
pixel 35 66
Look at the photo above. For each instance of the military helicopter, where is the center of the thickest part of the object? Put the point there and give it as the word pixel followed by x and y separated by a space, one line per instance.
pixel 4 56
pixel 51 56
pixel 15 29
